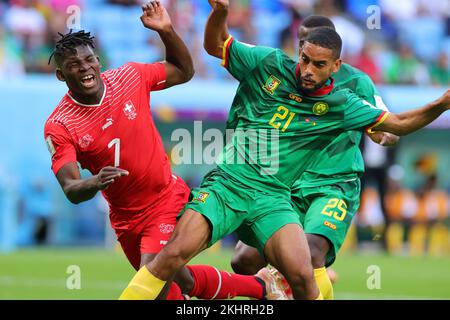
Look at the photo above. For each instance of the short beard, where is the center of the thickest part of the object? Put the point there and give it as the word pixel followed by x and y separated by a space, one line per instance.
pixel 313 89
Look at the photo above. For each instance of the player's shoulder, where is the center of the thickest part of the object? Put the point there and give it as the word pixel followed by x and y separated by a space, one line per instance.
pixel 339 96
pixel 122 73
pixel 354 79
pixel 60 115
pixel 348 72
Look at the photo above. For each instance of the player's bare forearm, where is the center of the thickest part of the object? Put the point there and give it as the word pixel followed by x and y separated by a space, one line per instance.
pixel 78 190
pixel 216 30
pixel 81 190
pixel 407 122
pixel 179 64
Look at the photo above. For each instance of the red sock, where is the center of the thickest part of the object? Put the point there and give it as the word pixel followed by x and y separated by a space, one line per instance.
pixel 174 292
pixel 210 283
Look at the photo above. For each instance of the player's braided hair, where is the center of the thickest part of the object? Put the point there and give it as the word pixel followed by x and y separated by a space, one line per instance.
pixel 70 41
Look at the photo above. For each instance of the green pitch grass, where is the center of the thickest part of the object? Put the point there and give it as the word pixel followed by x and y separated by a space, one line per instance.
pixel 42 274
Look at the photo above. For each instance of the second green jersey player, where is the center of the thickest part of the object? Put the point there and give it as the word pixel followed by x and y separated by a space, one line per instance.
pixel 327 194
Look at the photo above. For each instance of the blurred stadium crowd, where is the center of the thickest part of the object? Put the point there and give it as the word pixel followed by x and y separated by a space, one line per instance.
pixel 413 47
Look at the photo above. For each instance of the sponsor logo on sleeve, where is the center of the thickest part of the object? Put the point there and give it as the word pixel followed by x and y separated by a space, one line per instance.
pixel 50 146
pixel 201 197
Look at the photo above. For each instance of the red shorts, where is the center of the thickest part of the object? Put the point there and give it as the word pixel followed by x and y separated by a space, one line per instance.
pixel 148 231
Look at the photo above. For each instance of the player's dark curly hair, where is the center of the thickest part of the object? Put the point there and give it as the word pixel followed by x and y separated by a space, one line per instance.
pixel 69 42
pixel 326 38
pixel 316 21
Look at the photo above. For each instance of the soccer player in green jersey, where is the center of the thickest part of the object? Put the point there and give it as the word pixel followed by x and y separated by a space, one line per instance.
pixel 285 115
pixel 326 234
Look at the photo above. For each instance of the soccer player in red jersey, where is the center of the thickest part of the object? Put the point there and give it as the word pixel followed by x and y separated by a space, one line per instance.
pixel 104 123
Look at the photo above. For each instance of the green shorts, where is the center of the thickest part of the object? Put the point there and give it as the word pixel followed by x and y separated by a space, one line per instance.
pixel 230 206
pixel 328 211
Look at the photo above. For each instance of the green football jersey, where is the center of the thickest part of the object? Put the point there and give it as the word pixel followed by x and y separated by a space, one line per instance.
pixel 278 132
pixel 342 160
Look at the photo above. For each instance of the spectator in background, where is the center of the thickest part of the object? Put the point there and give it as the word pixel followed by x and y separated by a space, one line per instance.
pixel 37 206
pixel 124 2
pixel 352 34
pixel 11 63
pixel 401 205
pixel 377 161
pixel 406 69
pixel 366 63
pixel 56 13
pixel 440 70
pixel 29 27
pixel 428 232
pixel 239 20
pixel 399 10
pixel 288 36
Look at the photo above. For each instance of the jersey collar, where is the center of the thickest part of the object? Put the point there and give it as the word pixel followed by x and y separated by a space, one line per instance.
pixel 326 89
pixel 90 105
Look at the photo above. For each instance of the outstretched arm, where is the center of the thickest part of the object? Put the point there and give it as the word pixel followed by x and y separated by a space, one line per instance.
pixel 407 122
pixel 216 30
pixel 179 65
pixel 78 190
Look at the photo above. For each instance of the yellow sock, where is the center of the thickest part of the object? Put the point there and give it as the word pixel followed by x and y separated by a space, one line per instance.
pixel 143 286
pixel 324 283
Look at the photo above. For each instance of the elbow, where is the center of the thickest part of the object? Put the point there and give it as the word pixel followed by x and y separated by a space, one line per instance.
pixel 212 49
pixel 71 196
pixel 209 50
pixel 187 74
pixel 72 199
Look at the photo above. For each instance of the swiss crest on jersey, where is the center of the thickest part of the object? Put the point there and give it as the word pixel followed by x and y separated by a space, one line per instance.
pixel 85 141
pixel 130 110
pixel 271 84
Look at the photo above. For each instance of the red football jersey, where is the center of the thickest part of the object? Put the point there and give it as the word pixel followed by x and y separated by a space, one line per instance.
pixel 120 132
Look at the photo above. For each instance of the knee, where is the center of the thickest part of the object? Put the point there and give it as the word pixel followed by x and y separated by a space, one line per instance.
pixel 302 275
pixel 245 263
pixel 238 263
pixel 175 255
